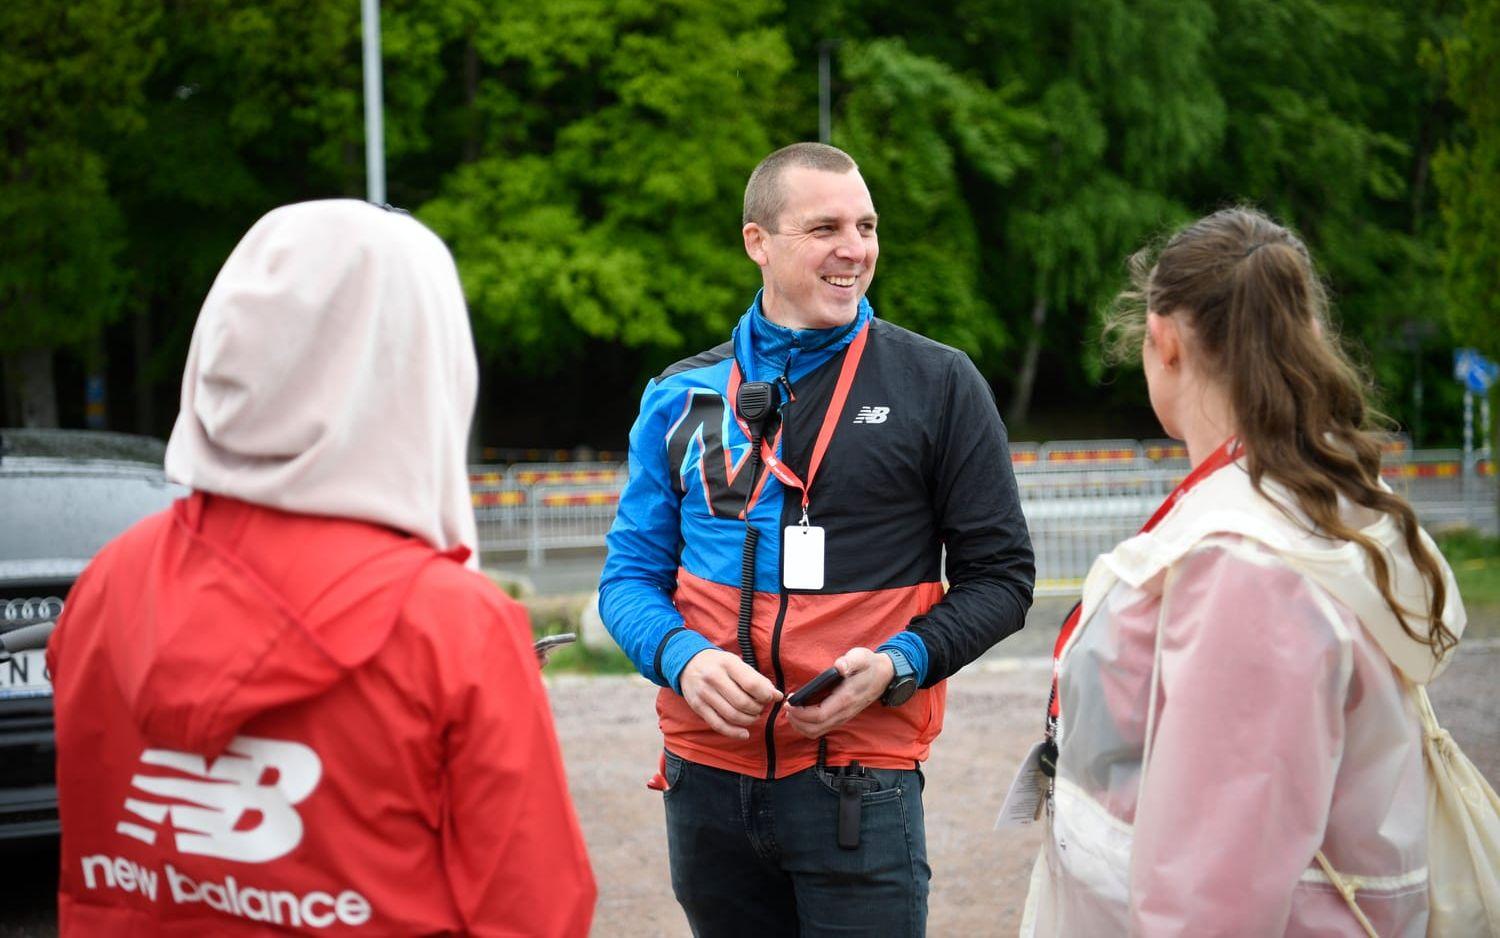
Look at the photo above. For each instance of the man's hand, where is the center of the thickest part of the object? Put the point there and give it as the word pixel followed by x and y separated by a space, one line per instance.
pixel 726 692
pixel 866 676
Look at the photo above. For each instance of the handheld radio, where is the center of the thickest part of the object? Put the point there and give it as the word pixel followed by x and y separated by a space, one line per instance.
pixel 755 404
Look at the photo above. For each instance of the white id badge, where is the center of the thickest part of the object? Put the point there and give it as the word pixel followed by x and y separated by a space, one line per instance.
pixel 1028 791
pixel 802 546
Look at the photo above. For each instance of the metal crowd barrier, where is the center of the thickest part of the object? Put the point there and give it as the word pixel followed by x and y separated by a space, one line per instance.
pixel 1443 495
pixel 536 507
pixel 1080 499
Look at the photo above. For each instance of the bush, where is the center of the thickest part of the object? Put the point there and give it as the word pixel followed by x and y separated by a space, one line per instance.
pixel 1475 559
pixel 579 659
pixel 553 616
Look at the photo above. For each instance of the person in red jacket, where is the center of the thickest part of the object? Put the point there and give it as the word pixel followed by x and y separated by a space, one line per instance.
pixel 286 704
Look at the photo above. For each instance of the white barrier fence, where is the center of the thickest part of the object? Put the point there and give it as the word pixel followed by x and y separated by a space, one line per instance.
pixel 1079 498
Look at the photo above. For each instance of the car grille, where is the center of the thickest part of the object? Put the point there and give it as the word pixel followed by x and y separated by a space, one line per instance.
pixel 31 817
pixel 26 748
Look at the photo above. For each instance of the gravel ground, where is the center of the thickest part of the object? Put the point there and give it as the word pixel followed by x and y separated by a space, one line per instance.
pixel 610 741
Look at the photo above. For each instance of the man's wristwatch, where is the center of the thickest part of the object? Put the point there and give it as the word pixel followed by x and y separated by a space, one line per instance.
pixel 903 685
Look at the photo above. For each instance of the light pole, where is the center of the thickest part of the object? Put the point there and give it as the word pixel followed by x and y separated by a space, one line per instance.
pixel 374 105
pixel 825 91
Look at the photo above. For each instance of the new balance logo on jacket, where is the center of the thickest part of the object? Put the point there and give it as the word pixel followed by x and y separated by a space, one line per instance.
pixel 868 414
pixel 239 807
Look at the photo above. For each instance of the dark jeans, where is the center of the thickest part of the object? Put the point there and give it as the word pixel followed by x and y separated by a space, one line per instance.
pixel 757 858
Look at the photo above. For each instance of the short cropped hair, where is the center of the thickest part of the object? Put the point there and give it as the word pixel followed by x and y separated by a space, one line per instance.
pixel 765 198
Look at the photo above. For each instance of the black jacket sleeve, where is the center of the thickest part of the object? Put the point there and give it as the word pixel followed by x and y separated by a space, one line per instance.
pixel 989 564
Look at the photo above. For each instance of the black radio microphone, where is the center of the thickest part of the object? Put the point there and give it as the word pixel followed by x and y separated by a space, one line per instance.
pixel 755 404
pixel 756 401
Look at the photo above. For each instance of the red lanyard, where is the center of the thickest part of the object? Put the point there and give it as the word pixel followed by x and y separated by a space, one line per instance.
pixel 1227 452
pixel 830 422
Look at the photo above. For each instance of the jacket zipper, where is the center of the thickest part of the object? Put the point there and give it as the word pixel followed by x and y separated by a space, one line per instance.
pixel 780 678
pixel 780 685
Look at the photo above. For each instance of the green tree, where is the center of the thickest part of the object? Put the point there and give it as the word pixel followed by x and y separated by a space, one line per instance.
pixel 1031 146
pixel 1468 174
pixel 1131 111
pixel 1328 130
pixel 585 159
pixel 252 104
pixel 71 77
pixel 927 136
pixel 615 141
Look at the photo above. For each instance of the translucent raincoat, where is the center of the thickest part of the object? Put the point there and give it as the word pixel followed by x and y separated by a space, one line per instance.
pixel 1279 726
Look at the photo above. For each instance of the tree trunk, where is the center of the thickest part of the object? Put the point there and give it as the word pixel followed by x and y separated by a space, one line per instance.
pixel 1026 381
pixel 10 404
pixel 471 99
pixel 1421 166
pixel 145 396
pixel 29 373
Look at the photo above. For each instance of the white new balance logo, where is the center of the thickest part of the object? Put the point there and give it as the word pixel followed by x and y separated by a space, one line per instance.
pixel 869 414
pixel 239 808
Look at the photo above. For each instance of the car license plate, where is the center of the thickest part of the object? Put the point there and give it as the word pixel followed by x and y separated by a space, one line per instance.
pixel 25 675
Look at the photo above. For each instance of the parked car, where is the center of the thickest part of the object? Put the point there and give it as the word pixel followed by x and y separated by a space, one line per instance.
pixel 63 495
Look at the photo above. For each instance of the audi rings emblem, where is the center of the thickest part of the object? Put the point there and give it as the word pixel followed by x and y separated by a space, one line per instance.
pixel 31 609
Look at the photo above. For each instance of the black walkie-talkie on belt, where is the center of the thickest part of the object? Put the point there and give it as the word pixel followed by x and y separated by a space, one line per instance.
pixel 852 787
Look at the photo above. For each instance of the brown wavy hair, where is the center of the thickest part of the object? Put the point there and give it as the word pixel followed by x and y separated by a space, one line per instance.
pixel 1258 314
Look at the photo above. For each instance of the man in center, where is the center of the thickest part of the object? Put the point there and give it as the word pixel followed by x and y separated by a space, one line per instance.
pixel 880 450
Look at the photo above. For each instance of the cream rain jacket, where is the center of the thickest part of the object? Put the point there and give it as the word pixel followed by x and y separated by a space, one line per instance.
pixel 1280 725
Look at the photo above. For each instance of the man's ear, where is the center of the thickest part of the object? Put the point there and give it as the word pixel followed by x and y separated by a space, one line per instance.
pixel 1163 334
pixel 755 242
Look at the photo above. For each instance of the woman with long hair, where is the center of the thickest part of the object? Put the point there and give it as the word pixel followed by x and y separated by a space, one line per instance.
pixel 1234 735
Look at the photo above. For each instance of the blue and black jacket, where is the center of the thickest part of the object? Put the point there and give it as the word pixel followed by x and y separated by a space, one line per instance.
pixel 918 464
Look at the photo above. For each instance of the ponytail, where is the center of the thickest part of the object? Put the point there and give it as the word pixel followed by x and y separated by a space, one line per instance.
pixel 1258 311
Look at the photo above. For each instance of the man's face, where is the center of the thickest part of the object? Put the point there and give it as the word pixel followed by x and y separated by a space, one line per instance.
pixel 820 259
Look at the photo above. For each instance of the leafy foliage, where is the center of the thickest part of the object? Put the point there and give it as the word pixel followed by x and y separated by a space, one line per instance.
pixel 61 230
pixel 1468 171
pixel 607 203
pixel 926 135
pixel 585 159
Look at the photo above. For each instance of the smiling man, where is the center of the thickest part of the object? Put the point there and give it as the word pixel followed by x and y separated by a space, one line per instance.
pixel 812 231
pixel 738 573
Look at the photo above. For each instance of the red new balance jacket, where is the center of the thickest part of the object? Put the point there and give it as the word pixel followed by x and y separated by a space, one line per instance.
pixel 273 723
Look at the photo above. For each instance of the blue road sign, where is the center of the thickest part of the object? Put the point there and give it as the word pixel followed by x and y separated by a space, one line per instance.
pixel 1475 371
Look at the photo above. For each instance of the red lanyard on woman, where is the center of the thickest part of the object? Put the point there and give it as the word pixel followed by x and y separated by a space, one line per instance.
pixel 1227 453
